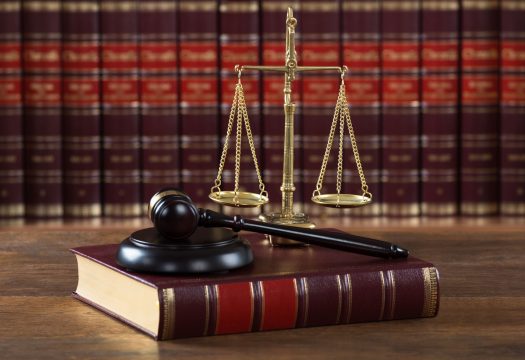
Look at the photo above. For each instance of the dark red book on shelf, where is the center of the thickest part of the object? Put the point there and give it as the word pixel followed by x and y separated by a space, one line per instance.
pixel 512 108
pixel 273 17
pixel 41 48
pixel 240 45
pixel 11 130
pixel 400 55
pixel 439 103
pixel 81 109
pixel 361 53
pixel 479 108
pixel 319 29
pixel 120 109
pixel 157 25
pixel 284 288
pixel 199 107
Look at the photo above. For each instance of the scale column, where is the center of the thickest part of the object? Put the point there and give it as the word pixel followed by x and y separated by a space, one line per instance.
pixel 287 187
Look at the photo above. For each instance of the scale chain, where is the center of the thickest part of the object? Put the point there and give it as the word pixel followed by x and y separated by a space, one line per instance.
pixel 341 113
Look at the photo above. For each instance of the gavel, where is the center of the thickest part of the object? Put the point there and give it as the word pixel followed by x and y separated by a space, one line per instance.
pixel 176 218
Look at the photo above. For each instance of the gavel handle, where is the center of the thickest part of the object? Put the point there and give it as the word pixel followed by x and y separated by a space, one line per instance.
pixel 332 239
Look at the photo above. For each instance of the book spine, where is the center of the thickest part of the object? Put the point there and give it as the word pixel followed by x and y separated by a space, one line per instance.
pixel 320 46
pixel 198 26
pixel 158 97
pixel 439 88
pixel 239 45
pixel 81 109
pixel 361 53
pixel 400 98
pixel 479 108
pixel 120 115
pixel 285 303
pixel 512 109
pixel 11 130
pixel 41 48
pixel 273 54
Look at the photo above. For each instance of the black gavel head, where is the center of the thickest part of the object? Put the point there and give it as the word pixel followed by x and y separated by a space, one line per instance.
pixel 173 214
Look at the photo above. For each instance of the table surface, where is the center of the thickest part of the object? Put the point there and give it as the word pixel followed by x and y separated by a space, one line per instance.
pixel 482 313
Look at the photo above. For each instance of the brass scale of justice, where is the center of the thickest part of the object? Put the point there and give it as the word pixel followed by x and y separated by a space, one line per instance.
pixel 239 114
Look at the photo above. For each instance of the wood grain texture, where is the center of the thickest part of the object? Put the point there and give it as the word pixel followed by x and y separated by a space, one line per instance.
pixel 482 313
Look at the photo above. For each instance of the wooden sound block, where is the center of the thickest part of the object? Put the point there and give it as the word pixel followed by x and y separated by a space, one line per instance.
pixel 206 250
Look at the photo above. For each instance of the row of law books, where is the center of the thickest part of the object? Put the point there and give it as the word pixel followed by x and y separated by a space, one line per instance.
pixel 103 103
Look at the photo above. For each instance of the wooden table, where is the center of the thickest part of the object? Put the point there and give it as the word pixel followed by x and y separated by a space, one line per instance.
pixel 482 311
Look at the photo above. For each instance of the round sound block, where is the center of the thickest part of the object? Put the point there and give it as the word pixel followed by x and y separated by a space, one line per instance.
pixel 206 250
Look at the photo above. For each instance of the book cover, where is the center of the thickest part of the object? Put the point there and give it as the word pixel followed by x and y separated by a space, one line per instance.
pixel 283 288
pixel 439 104
pixel 240 45
pixel 361 53
pixel 160 153
pixel 479 108
pixel 400 60
pixel 41 48
pixel 120 109
pixel 11 125
pixel 319 28
pixel 199 106
pixel 81 109
pixel 512 108
pixel 273 18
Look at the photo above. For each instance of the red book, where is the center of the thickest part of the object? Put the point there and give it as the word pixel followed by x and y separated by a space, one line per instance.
pixel 284 288
pixel 239 45
pixel 81 109
pixel 120 109
pixel 361 53
pixel 41 46
pixel 11 133
pixel 439 88
pixel 479 108
pixel 199 87
pixel 400 54
pixel 319 31
pixel 158 97
pixel 273 17
pixel 512 108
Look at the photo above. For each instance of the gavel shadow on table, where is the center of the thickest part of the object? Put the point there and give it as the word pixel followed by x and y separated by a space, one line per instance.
pixel 187 239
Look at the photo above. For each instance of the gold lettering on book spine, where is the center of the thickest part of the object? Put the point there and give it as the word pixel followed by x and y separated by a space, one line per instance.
pixel 392 294
pixel 168 303
pixel 430 282
pixel 41 5
pixel 252 304
pixel 10 6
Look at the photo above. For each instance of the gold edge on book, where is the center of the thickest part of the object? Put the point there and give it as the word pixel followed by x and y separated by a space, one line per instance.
pixel 207 304
pixel 296 302
pixel 306 301
pixel 263 307
pixel 349 282
pixel 218 307
pixel 383 295
pixel 392 293
pixel 168 296
pixel 339 299
pixel 430 282
pixel 252 304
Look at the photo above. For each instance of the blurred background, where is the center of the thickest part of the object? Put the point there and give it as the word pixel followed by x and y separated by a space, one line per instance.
pixel 103 103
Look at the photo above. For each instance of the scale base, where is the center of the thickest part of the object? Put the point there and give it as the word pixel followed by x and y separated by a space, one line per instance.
pixel 207 250
pixel 298 219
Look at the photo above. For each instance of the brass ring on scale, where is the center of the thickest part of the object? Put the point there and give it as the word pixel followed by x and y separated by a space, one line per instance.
pixel 338 200
pixel 235 197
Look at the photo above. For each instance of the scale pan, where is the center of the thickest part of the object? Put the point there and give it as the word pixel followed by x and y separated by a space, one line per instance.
pixel 345 200
pixel 241 199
